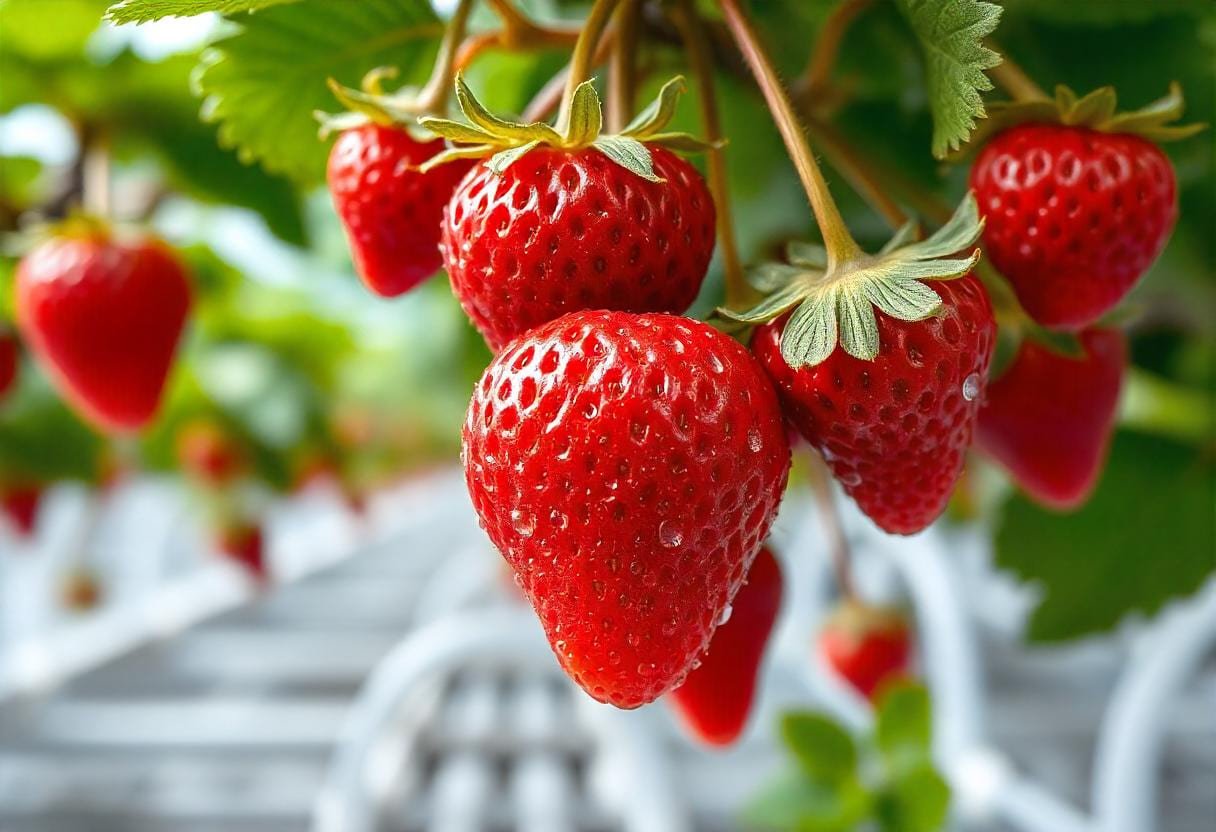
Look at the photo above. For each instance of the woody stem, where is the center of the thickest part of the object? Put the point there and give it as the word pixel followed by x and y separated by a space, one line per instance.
pixel 583 57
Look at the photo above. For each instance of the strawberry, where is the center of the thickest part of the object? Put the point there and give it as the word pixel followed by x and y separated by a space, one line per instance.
pixel 1079 201
pixel 391 211
pixel 554 223
pixel 894 430
pixel 715 699
pixel 104 316
pixel 80 590
pixel 628 468
pixel 207 453
pixel 866 646
pixel 10 355
pixel 20 503
pixel 1049 417
pixel 244 544
pixel 565 230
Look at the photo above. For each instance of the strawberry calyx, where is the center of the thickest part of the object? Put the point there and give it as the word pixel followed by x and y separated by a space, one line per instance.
pixel 834 302
pixel 372 105
pixel 505 142
pixel 857 619
pixel 1097 110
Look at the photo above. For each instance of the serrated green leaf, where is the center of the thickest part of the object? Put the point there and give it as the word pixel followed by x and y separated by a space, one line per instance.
pixel 903 729
pixel 825 752
pixel 811 333
pixel 499 162
pixel 586 116
pixel 658 113
pixel 630 154
pixel 772 306
pixel 143 11
pixel 1146 534
pixel 811 255
pixel 262 84
pixel 951 34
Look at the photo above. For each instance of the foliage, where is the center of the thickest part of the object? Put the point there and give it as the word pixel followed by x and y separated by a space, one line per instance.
pixel 841 782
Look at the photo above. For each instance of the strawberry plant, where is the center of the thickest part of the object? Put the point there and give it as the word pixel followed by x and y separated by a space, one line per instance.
pixel 865 232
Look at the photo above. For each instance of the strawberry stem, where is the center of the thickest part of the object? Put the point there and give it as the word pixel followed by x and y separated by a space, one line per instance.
pixel 623 79
pixel 846 160
pixel 838 544
pixel 827 46
pixel 583 56
pixel 518 33
pixel 840 245
pixel 95 173
pixel 692 32
pixel 1014 80
pixel 547 100
pixel 433 97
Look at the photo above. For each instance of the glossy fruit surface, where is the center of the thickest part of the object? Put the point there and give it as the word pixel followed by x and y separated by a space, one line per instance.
pixel 1074 216
pixel 10 356
pixel 716 698
pixel 104 316
pixel 1049 418
pixel 390 210
pixel 894 430
pixel 628 467
pixel 561 231
pixel 867 646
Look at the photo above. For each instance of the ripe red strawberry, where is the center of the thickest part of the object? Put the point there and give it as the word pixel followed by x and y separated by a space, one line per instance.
pixel 1075 216
pixel 207 453
pixel 1049 417
pixel 20 503
pixel 562 230
pixel 894 429
pixel 103 316
pixel 867 646
pixel 390 209
pixel 244 543
pixel 628 467
pixel 9 358
pixel 716 698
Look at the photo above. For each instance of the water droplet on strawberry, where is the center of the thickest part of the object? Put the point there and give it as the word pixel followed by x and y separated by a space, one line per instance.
pixel 754 440
pixel 726 614
pixel 669 535
pixel 524 522
pixel 971 387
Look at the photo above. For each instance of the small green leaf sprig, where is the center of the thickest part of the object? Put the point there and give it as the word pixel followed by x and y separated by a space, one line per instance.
pixel 834 302
pixel 505 142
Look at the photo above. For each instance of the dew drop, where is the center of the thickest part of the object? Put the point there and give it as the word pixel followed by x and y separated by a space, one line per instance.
pixel 971 387
pixel 669 535
pixel 726 614
pixel 754 441
pixel 524 522
pixel 850 479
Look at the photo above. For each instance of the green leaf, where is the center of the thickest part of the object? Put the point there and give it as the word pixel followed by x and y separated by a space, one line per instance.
pixel 630 154
pixel 810 255
pixel 263 84
pixel 1143 539
pixel 904 726
pixel 658 113
pixel 917 800
pixel 951 34
pixel 773 305
pixel 499 162
pixel 47 29
pixel 858 326
pixel 769 277
pixel 586 116
pixel 508 132
pixel 811 333
pixel 793 803
pixel 825 751
pixel 142 11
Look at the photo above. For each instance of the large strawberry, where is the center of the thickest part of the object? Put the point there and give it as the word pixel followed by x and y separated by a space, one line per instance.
pixel 10 354
pixel 868 646
pixel 103 315
pixel 888 395
pixel 628 467
pixel 391 210
pixel 716 698
pixel 554 223
pixel 1049 417
pixel 1079 201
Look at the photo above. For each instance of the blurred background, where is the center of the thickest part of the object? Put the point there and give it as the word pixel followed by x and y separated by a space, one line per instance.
pixel 374 666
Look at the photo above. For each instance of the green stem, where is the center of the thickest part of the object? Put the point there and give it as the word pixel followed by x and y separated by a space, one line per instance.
pixel 1159 406
pixel 1014 80
pixel 692 32
pixel 623 75
pixel 840 245
pixel 583 57
pixel 827 45
pixel 433 97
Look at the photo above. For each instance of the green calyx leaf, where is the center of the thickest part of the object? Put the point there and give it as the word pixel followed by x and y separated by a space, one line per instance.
pixel 371 104
pixel 1097 110
pixel 834 303
pixel 505 141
